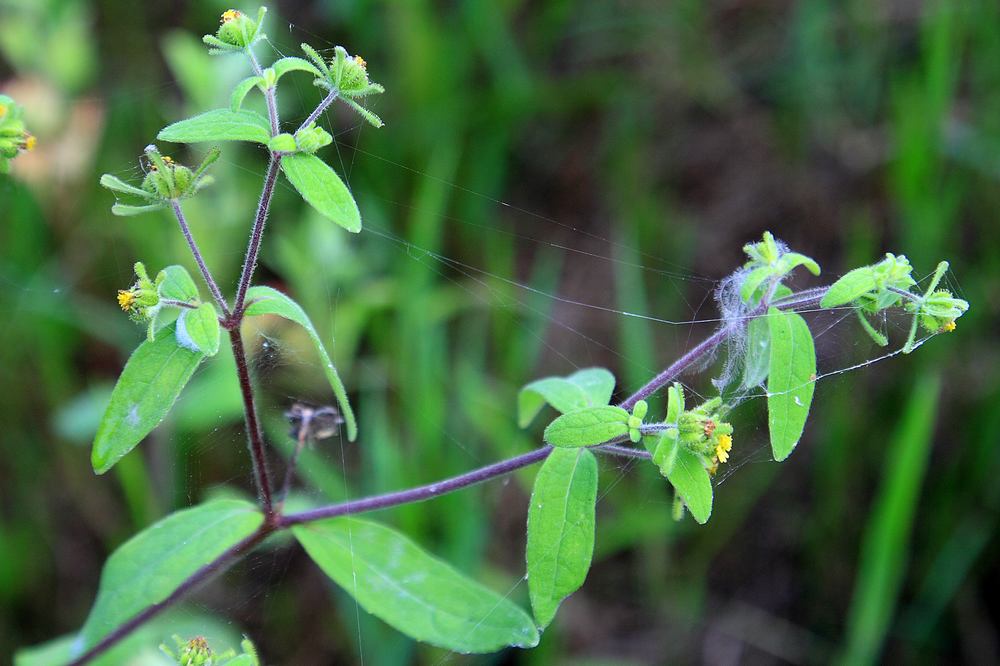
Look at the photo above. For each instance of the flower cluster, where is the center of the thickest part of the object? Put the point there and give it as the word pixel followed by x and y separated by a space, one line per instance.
pixel 14 137
pixel 166 181
pixel 197 652
pixel 237 32
pixel 702 431
pixel 348 77
pixel 142 300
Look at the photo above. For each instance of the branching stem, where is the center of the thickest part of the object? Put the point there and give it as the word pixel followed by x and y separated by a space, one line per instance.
pixel 200 260
pixel 277 522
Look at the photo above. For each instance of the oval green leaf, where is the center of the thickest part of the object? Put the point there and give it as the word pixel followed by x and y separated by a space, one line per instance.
pixel 198 329
pixel 146 390
pixel 265 300
pixel 590 387
pixel 690 479
pixel 322 189
pixel 416 593
pixel 560 529
pixel 177 284
pixel 852 286
pixel 219 125
pixel 791 380
pixel 588 426
pixel 151 565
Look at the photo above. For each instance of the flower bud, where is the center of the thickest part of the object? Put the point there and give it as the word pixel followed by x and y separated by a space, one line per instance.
pixel 312 138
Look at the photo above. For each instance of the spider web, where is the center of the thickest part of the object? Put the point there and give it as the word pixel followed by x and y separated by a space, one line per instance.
pixel 574 317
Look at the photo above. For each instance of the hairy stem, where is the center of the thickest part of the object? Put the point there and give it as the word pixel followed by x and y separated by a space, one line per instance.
pixel 256 235
pixel 200 260
pixel 202 575
pixel 255 437
pixel 320 108
pixel 269 95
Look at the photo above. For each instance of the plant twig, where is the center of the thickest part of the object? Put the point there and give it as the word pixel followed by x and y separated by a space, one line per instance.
pixel 256 235
pixel 255 437
pixel 320 108
pixel 200 260
pixel 202 575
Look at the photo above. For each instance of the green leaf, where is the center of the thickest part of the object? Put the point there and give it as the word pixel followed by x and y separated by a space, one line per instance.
pixel 675 402
pixel 590 387
pixel 116 184
pixel 792 260
pixel 322 189
pixel 145 392
pixel 562 394
pixel 126 210
pixel 690 479
pixel 758 355
pixel 423 597
pixel 752 282
pixel 198 329
pixel 265 300
pixel 240 92
pixel 587 426
pixel 282 143
pixel 791 380
pixel 177 284
pixel 850 287
pixel 151 565
pixel 597 383
pixel 291 64
pixel 219 125
pixel 560 529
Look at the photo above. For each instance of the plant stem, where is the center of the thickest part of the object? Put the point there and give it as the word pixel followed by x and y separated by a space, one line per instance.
pixel 200 260
pixel 202 575
pixel 327 101
pixel 256 235
pixel 255 437
pixel 178 304
pixel 698 352
pixel 269 97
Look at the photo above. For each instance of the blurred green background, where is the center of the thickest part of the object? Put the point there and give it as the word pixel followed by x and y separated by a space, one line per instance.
pixel 613 153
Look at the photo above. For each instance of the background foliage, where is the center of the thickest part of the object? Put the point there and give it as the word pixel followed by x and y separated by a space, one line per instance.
pixel 522 139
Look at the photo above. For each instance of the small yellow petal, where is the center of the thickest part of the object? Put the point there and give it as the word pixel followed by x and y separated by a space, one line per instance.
pixel 126 299
pixel 230 15
pixel 949 327
pixel 721 453
pixel 30 142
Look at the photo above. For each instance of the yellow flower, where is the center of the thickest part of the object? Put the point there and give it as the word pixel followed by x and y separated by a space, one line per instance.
pixel 230 15
pixel 3 110
pixel 723 446
pixel 29 141
pixel 713 469
pixel 949 327
pixel 126 299
pixel 360 61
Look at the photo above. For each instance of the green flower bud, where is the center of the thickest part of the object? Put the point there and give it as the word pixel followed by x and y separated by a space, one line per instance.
pixel 14 137
pixel 312 138
pixel 237 29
